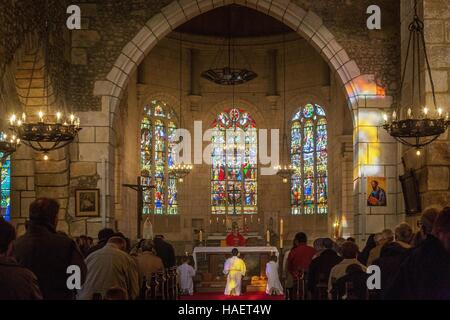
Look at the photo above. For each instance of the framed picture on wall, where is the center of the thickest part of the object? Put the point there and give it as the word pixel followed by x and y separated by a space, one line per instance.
pixel 376 191
pixel 87 203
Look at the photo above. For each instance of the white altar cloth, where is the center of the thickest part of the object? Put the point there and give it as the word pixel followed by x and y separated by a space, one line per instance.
pixel 225 250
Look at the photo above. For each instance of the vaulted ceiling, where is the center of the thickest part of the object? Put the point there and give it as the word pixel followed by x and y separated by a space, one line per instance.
pixel 236 21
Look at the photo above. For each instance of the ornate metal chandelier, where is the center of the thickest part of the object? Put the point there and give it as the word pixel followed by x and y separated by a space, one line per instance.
pixel 228 75
pixel 416 130
pixel 285 170
pixel 8 145
pixel 45 133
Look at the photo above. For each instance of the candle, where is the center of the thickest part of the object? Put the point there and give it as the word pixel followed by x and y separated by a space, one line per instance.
pixel 41 116
pixel 24 117
pixel 268 236
pixel 58 116
pixel 425 111
pixel 385 117
pixel 201 236
pixel 409 112
pixel 12 119
pixel 281 242
pixel 440 112
pixel 72 118
pixel 281 227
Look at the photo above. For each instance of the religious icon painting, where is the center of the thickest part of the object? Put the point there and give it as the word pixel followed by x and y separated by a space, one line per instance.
pixel 87 203
pixel 376 192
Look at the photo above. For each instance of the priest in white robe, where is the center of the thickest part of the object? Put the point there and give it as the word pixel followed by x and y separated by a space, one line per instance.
pixel 235 269
pixel 186 273
pixel 273 280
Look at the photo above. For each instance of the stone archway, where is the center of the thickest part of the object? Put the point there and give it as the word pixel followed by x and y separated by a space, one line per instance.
pixel 375 152
pixel 306 23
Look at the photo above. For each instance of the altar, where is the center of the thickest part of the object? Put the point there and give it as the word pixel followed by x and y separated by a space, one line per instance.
pixel 209 261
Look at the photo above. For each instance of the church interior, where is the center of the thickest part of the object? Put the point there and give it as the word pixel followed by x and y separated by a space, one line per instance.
pixel 214 125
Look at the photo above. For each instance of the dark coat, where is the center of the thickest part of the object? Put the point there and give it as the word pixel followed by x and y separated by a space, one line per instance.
pixel 48 254
pixel 352 286
pixel 320 267
pixel 424 274
pixel 391 257
pixel 16 282
pixel 166 252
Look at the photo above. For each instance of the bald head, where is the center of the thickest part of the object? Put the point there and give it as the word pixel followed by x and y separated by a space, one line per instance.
pixel 118 242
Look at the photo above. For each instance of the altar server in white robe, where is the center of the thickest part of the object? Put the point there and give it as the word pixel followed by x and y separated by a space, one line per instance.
pixel 273 280
pixel 235 269
pixel 185 273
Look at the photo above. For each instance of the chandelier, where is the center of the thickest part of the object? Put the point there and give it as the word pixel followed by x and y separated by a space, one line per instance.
pixel 228 75
pixel 416 130
pixel 41 132
pixel 180 171
pixel 8 145
pixel 285 171
pixel 44 135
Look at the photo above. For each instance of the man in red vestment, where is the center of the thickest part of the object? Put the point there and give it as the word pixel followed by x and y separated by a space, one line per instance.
pixel 235 239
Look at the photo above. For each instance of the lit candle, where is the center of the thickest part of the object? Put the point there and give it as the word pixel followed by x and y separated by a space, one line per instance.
pixel 12 119
pixel 440 112
pixel 394 115
pixel 425 111
pixel 281 227
pixel 200 237
pixel 24 117
pixel 41 116
pixel 385 117
pixel 72 118
pixel 268 236
pixel 58 116
pixel 409 112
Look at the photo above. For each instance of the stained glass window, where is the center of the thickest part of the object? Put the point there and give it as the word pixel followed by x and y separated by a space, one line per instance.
pixel 309 139
pixel 234 182
pixel 5 188
pixel 157 156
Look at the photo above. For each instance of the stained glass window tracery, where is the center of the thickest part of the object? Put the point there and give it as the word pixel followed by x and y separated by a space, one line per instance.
pixel 234 182
pixel 5 188
pixel 309 139
pixel 157 156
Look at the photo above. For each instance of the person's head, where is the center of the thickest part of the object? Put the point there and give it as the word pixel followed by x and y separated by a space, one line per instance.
pixel 318 244
pixel 300 238
pixel 104 234
pixel 351 239
pixel 185 259
pixel 353 268
pixel 7 237
pixel 273 258
pixel 403 232
pixel 371 243
pixel 116 293
pixel 327 243
pixel 441 228
pixel 235 252
pixel 147 245
pixel 349 250
pixel 374 184
pixel 44 211
pixel 427 220
pixel 388 235
pixel 118 242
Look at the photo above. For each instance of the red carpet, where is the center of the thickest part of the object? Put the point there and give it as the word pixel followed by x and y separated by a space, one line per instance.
pixel 221 296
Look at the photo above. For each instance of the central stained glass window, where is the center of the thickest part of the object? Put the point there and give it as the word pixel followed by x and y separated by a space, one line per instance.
pixel 309 139
pixel 5 188
pixel 157 156
pixel 234 179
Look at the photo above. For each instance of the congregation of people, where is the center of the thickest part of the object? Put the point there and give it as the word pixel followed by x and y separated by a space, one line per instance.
pixel 34 266
pixel 413 266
